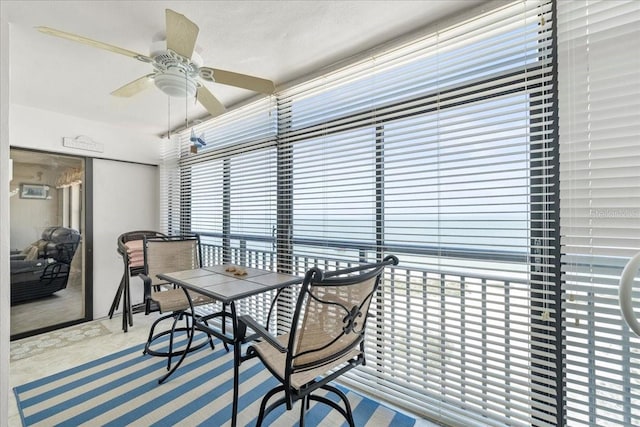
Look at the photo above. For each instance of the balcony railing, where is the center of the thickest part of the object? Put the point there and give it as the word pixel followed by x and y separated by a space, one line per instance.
pixel 420 315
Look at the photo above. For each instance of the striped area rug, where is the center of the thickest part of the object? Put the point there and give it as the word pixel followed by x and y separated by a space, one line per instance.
pixel 122 389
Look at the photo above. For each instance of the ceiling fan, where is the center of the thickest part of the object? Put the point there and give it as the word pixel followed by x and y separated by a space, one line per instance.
pixel 177 68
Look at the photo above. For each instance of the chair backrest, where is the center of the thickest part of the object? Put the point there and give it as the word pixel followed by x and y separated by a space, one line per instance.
pixel 331 314
pixel 130 247
pixel 169 254
pixel 63 243
pixel 137 235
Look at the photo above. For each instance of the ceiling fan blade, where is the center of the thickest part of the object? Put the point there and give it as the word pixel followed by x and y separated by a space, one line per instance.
pixel 244 81
pixel 134 87
pixel 181 34
pixel 210 102
pixel 94 43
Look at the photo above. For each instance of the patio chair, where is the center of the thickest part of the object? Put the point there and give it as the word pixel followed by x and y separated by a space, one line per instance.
pixel 130 248
pixel 326 338
pixel 164 255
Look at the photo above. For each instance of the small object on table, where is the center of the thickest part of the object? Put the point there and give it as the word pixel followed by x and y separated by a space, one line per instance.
pixel 237 271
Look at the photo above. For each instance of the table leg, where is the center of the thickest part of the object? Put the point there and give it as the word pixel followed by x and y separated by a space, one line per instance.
pixel 237 349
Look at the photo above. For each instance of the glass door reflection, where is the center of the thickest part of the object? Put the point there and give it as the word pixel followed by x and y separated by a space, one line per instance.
pixel 47 208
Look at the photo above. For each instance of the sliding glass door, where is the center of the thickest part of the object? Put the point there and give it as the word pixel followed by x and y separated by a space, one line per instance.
pixel 48 205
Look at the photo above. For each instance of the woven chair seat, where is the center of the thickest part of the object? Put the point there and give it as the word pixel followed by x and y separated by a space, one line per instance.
pixel 176 300
pixel 277 361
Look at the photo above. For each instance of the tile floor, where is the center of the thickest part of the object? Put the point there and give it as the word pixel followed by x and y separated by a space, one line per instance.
pixel 41 355
pixel 63 306
pixel 38 356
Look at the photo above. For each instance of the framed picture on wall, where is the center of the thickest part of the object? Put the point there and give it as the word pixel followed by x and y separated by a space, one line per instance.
pixel 34 191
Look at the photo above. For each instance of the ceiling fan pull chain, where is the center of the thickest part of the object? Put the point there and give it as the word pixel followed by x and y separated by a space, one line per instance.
pixel 186 102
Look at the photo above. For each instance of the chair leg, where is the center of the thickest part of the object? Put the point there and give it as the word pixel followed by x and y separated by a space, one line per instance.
pixel 116 299
pixel 186 322
pixel 304 405
pixel 151 331
pixel 146 346
pixel 347 412
pixel 206 322
pixel 171 336
pixel 175 327
pixel 264 411
pixel 192 316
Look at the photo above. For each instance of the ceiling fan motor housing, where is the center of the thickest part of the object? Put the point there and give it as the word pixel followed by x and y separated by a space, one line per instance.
pixel 175 75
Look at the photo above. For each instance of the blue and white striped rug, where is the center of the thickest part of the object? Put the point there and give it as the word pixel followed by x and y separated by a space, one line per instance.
pixel 122 389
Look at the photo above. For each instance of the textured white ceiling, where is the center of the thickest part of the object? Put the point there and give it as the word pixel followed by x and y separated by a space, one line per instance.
pixel 279 40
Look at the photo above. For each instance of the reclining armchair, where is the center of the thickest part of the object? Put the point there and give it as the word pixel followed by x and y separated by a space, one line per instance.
pixel 43 268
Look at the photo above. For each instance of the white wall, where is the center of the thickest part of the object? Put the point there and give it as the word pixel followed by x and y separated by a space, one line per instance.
pixel 4 217
pixel 115 188
pixel 125 194
pixel 44 130
pixel 125 198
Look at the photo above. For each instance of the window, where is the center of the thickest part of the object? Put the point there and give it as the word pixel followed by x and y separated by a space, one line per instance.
pixel 441 151
pixel 226 191
pixel 334 195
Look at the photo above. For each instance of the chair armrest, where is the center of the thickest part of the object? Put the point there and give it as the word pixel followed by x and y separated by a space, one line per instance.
pixel 245 321
pixel 146 280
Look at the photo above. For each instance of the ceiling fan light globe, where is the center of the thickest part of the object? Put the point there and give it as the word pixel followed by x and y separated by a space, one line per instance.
pixel 175 84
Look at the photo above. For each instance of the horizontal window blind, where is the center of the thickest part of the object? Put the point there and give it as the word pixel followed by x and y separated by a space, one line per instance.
pixel 442 152
pixel 226 190
pixel 599 127
pixel 228 187
pixel 169 174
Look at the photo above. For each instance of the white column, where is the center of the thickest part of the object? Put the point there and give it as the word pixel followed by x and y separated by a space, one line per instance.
pixel 75 206
pixel 64 191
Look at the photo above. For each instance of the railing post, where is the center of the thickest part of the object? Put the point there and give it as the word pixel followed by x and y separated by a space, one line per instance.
pixel 243 252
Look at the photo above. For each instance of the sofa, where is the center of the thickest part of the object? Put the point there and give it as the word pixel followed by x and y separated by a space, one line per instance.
pixel 43 267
